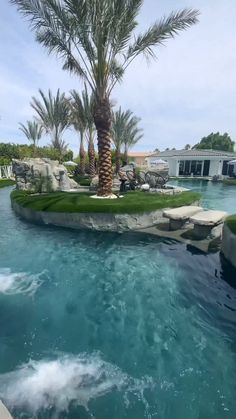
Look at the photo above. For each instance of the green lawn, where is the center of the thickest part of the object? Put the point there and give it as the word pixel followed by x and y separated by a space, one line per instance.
pixel 230 182
pixel 81 202
pixel 231 223
pixel 6 182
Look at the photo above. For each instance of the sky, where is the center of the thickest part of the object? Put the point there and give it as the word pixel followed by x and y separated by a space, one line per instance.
pixel 187 93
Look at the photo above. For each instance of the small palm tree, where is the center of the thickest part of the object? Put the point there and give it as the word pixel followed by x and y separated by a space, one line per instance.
pixel 53 114
pixel 119 126
pixel 132 135
pixel 33 132
pixel 79 122
pixel 82 120
pixel 96 40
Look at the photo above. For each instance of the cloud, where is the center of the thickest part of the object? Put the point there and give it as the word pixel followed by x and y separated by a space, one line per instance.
pixel 187 93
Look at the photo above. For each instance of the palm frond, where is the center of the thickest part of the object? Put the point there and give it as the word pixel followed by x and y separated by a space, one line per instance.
pixel 162 31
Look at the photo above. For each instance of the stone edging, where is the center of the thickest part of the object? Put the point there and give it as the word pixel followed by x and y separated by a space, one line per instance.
pixel 229 245
pixel 91 221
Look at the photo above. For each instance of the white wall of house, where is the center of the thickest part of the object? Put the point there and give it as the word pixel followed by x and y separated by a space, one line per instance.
pixel 216 164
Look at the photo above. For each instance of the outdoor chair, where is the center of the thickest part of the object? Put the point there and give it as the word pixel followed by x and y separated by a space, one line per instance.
pixel 141 178
pixel 154 180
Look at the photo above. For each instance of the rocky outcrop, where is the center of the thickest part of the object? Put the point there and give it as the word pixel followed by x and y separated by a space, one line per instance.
pixel 229 245
pixel 41 175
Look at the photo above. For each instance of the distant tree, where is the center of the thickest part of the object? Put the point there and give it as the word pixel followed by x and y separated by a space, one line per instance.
pixel 187 147
pixel 33 132
pixel 167 149
pixel 156 150
pixel 216 141
pixel 9 151
pixel 53 114
pixel 173 148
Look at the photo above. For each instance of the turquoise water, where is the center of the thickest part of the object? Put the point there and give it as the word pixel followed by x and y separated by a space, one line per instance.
pixel 214 195
pixel 113 326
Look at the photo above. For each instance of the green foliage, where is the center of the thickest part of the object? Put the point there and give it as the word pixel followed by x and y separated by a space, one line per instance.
pixel 6 182
pixel 231 223
pixel 216 142
pixel 9 151
pixel 82 180
pixel 132 202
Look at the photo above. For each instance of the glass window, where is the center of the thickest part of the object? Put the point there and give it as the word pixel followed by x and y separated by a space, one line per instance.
pixel 181 167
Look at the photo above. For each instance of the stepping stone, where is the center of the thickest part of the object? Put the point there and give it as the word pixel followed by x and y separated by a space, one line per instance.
pixel 204 221
pixel 179 216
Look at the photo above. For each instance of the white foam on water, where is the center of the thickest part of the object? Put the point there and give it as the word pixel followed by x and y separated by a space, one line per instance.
pixel 57 384
pixel 19 282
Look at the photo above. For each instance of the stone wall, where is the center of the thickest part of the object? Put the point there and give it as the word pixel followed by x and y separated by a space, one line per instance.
pixel 41 175
pixel 91 221
pixel 229 245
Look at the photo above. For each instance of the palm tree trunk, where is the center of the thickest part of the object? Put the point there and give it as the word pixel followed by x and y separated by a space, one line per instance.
pixel 102 120
pixel 82 157
pixel 117 160
pixel 91 155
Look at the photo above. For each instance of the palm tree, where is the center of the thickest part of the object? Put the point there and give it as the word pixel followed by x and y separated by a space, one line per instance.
pixel 132 134
pixel 86 107
pixel 33 132
pixel 96 40
pixel 120 125
pixel 53 113
pixel 78 120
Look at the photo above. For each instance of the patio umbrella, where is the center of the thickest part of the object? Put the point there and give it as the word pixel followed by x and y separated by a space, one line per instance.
pixel 159 161
pixel 232 162
pixel 70 163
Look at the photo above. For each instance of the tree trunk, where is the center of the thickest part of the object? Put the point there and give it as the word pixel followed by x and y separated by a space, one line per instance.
pixel 102 120
pixel 117 160
pixel 82 157
pixel 91 155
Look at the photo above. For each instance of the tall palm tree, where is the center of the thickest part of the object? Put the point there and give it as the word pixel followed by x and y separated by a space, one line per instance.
pixel 79 122
pixel 119 126
pixel 132 134
pixel 33 132
pixel 96 40
pixel 53 113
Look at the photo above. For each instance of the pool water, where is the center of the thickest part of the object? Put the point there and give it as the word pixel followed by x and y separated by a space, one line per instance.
pixel 215 195
pixel 113 326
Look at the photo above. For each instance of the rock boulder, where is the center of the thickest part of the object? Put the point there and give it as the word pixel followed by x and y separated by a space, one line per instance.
pixel 41 175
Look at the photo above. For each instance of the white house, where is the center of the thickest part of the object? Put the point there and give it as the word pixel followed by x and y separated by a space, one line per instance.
pixel 195 162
